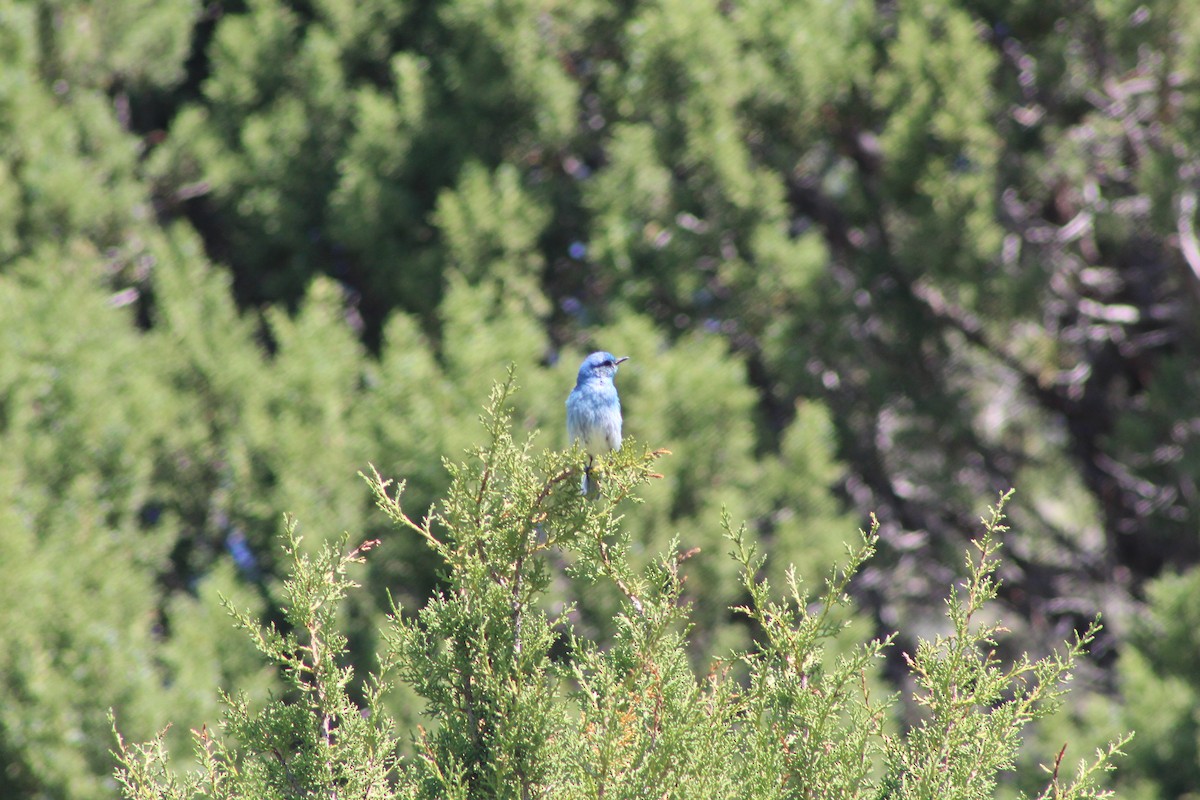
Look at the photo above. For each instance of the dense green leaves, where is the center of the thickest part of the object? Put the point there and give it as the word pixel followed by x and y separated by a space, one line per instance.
pixel 628 718
pixel 890 257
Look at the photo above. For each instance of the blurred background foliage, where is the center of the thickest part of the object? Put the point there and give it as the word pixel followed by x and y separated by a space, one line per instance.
pixel 889 257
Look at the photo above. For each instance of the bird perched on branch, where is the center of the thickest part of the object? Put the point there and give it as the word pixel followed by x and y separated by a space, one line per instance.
pixel 594 412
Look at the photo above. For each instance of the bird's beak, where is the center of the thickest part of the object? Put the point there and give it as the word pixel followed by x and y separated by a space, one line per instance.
pixel 622 358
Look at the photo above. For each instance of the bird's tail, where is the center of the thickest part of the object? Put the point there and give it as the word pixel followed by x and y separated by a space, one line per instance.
pixel 589 487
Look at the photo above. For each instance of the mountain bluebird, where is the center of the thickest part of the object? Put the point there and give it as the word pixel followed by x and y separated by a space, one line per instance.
pixel 594 411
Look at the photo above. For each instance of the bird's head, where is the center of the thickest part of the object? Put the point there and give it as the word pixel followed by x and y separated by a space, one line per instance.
pixel 599 365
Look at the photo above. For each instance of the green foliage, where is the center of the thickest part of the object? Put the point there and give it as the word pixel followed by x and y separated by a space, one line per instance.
pixel 1156 668
pixel 116 44
pixel 818 732
pixel 518 704
pixel 88 531
pixel 317 741
pixel 360 196
pixel 973 708
pixel 864 256
pixel 939 143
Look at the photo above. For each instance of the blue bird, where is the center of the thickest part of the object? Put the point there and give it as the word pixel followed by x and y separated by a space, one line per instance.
pixel 594 411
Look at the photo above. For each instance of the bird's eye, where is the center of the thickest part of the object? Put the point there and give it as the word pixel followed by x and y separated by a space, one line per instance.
pixel 609 364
